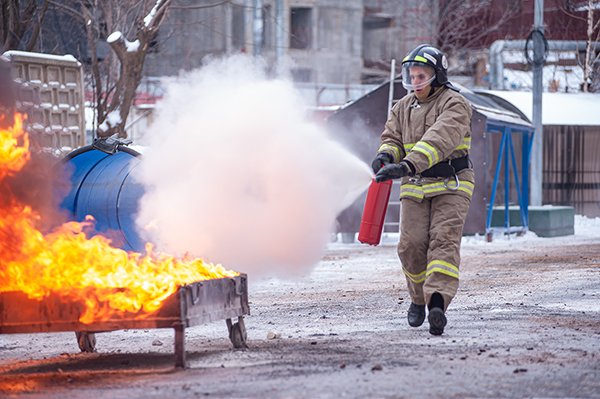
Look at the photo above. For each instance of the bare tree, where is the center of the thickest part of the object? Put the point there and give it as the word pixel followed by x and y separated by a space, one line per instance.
pixel 591 72
pixel 465 24
pixel 129 28
pixel 588 12
pixel 20 23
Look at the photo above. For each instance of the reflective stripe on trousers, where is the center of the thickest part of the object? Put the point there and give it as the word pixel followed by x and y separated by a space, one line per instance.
pixel 429 247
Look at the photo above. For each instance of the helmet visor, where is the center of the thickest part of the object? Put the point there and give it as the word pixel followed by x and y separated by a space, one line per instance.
pixel 416 75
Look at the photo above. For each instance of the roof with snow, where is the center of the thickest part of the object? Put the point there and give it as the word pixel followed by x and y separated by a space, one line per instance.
pixel 581 109
pixel 495 110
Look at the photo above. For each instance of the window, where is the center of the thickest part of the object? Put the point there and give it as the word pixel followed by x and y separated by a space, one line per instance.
pixel 302 75
pixel 238 26
pixel 301 28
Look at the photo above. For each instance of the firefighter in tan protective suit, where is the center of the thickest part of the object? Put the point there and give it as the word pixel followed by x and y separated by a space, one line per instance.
pixel 426 143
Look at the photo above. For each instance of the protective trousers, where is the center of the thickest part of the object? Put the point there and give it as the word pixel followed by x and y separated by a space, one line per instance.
pixel 429 247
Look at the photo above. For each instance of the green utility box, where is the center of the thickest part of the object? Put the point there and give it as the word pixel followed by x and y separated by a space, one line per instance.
pixel 545 221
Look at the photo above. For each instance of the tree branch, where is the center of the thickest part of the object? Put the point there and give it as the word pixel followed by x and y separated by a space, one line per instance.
pixel 117 43
pixel 155 16
pixel 37 27
pixel 198 7
pixel 68 10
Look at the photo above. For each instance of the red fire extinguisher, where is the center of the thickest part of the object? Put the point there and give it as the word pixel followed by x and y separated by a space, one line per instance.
pixel 371 224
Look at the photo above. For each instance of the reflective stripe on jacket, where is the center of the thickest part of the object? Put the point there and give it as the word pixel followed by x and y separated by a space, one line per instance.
pixel 426 133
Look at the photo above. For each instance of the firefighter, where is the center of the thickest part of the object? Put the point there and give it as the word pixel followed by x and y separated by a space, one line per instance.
pixel 426 143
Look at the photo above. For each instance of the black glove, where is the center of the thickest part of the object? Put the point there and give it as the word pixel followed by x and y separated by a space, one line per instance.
pixel 380 161
pixel 393 171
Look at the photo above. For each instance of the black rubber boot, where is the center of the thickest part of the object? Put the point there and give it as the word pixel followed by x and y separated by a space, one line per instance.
pixel 416 315
pixel 437 318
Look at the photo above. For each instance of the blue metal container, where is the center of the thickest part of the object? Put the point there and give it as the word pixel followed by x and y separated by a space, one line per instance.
pixel 102 185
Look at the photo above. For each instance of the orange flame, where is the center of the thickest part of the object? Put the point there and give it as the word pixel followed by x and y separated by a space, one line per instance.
pixel 12 155
pixel 107 280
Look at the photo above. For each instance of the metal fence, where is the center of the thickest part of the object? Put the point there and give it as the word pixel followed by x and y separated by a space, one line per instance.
pixel 571 171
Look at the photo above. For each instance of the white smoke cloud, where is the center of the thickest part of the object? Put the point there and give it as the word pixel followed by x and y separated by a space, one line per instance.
pixel 236 174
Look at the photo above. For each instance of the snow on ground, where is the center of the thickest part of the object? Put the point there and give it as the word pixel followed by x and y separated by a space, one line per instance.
pixel 566 78
pixel 586 229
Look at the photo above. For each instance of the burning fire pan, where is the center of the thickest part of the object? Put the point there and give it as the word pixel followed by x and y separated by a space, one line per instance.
pixel 190 305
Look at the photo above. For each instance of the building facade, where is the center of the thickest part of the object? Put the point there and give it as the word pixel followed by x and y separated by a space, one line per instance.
pixel 322 41
pixel 318 40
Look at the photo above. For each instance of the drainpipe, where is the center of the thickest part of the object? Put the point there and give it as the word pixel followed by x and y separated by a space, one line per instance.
pixel 257 27
pixel 279 32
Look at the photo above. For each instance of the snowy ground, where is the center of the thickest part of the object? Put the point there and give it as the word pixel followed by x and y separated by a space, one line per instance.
pixel 525 323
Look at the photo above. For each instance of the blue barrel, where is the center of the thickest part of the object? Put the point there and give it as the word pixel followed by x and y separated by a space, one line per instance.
pixel 102 185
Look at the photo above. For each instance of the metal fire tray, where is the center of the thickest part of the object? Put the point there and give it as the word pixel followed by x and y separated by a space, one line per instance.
pixel 190 305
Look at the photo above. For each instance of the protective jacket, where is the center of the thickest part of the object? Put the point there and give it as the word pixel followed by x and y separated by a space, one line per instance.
pixel 426 133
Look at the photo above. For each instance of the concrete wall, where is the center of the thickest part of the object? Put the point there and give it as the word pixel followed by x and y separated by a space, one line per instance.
pixel 51 94
pixel 325 41
pixel 335 54
pixel 392 28
pixel 187 36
